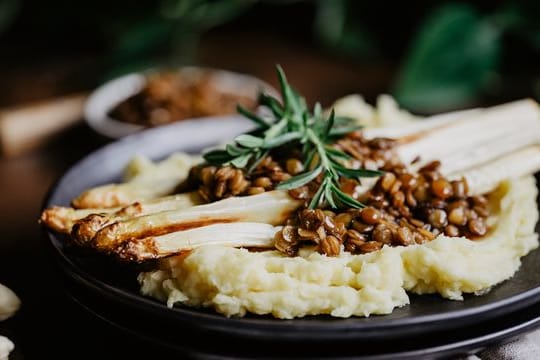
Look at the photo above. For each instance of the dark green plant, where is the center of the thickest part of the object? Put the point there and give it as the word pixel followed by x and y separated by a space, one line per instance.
pixel 337 30
pixel 8 13
pixel 456 56
pixel 453 57
pixel 170 35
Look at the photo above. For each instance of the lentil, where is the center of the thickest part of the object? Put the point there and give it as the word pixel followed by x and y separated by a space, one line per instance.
pixel 477 227
pixel 457 216
pixel 404 236
pixel 370 216
pixel 442 188
pixel 370 246
pixel 451 230
pixel 263 182
pixel 294 166
pixel 330 246
pixel 382 234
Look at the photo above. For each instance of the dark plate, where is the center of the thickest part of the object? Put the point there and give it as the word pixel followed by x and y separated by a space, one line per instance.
pixel 170 340
pixel 115 283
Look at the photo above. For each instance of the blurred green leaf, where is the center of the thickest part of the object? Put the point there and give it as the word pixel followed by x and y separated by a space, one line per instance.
pixel 143 37
pixel 453 55
pixel 527 24
pixel 143 45
pixel 204 14
pixel 8 12
pixel 335 29
pixel 169 35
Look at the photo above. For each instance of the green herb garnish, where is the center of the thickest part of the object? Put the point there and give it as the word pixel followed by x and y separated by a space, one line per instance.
pixel 293 123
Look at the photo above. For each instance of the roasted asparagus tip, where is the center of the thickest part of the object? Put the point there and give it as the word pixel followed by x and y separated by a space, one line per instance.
pixel 181 201
pixel 62 219
pixel 83 231
pixel 105 196
pixel 55 218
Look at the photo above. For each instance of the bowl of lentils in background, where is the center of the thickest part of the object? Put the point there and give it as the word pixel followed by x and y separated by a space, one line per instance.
pixel 137 101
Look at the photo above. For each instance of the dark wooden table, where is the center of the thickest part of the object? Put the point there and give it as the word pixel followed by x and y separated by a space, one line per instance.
pixel 49 324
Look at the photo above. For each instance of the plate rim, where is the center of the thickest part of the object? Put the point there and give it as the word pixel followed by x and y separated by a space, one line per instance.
pixel 453 347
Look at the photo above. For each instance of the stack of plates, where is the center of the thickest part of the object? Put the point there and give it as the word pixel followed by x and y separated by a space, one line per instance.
pixel 430 327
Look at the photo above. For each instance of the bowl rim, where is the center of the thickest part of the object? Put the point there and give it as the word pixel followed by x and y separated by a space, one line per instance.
pixel 112 92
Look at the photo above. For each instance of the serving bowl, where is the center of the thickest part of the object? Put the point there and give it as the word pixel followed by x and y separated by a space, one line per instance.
pixel 100 103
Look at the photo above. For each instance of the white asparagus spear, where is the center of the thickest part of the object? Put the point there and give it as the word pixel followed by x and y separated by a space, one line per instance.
pixel 153 181
pixel 240 234
pixel 470 141
pixel 420 126
pixel 271 207
pixel 62 219
pixel 486 177
pixel 114 195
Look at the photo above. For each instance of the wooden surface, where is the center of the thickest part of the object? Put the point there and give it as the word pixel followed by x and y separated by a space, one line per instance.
pixel 49 324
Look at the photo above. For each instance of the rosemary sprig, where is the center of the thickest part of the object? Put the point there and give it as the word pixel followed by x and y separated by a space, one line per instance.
pixel 293 123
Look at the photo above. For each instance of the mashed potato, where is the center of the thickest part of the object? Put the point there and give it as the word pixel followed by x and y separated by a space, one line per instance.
pixel 385 113
pixel 236 281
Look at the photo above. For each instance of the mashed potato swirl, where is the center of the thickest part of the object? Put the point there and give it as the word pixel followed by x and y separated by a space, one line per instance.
pixel 236 281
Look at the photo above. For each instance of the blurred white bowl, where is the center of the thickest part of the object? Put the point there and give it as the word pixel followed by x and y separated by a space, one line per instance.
pixel 109 95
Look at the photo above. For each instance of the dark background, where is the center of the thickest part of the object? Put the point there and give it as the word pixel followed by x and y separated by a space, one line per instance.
pixel 54 47
pixel 51 48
